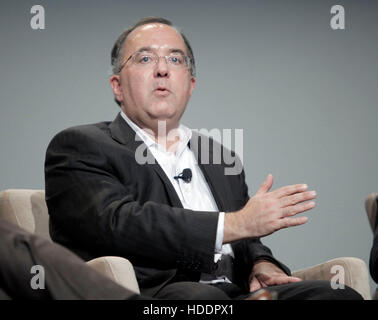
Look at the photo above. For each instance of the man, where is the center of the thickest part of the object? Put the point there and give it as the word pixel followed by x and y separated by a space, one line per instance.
pixel 189 236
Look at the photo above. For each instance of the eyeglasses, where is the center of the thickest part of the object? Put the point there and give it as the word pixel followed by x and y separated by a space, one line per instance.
pixel 147 59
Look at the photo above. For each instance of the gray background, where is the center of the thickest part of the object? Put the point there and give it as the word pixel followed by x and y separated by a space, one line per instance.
pixel 305 95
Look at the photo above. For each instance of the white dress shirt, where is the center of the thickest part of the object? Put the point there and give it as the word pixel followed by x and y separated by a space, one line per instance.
pixel 195 195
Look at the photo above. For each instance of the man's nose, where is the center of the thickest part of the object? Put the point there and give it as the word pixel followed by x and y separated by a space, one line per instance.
pixel 161 68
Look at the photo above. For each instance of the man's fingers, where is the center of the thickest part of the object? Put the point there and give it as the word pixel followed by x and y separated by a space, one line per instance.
pixel 254 285
pixel 266 185
pixel 289 190
pixel 283 280
pixel 293 279
pixel 272 281
pixel 296 198
pixel 299 208
pixel 292 222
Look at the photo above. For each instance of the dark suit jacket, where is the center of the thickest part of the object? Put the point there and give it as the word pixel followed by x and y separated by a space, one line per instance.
pixel 102 202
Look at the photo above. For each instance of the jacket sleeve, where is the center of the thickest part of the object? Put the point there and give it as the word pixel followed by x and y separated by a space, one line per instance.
pixel 91 210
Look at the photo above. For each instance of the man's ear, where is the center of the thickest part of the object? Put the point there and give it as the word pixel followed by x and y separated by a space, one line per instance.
pixel 115 83
pixel 192 84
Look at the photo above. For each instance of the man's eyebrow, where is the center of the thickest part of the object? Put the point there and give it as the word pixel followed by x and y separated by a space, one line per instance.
pixel 177 51
pixel 150 49
pixel 145 49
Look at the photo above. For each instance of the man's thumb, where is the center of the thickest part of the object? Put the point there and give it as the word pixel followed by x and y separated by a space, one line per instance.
pixel 266 185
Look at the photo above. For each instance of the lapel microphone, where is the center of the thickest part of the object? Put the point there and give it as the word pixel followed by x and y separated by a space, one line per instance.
pixel 185 175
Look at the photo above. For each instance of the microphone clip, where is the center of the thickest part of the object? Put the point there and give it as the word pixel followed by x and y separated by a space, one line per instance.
pixel 185 175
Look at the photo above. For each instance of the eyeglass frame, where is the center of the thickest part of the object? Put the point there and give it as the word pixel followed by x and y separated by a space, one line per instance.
pixel 186 58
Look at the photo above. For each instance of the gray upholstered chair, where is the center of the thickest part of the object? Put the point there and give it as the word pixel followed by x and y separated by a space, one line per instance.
pixel 27 208
pixel 371 207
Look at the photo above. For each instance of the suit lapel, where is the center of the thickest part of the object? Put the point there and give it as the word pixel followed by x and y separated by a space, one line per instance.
pixel 124 134
pixel 212 173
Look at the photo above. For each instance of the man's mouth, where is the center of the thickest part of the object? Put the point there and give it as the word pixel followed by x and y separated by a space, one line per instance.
pixel 162 91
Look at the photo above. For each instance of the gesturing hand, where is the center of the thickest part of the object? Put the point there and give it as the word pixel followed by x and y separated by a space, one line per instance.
pixel 267 212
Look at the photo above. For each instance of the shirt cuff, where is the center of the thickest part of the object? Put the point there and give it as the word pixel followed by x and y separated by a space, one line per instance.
pixel 220 231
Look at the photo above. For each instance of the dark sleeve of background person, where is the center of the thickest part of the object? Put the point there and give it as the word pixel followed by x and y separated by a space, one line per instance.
pixel 67 277
pixel 373 263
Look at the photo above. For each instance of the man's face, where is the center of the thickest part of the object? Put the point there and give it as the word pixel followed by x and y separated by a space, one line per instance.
pixel 156 92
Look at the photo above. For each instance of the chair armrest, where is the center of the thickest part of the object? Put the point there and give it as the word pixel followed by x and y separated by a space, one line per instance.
pixel 356 274
pixel 119 269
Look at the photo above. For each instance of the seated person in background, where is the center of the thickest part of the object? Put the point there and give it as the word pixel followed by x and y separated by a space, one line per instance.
pixel 189 236
pixel 66 276
pixel 373 263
